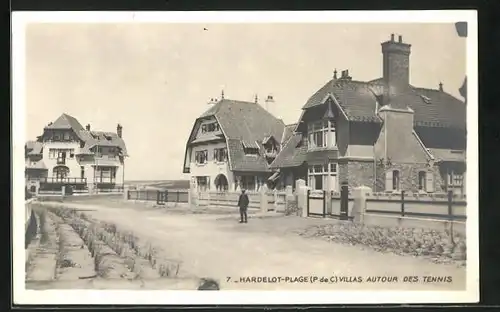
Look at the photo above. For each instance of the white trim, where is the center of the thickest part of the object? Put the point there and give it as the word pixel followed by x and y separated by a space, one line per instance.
pixel 229 163
pixel 330 95
pixel 422 145
pixel 361 158
pixel 399 110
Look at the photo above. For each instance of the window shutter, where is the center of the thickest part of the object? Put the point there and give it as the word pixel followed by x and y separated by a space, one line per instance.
pixel 388 180
pixel 429 183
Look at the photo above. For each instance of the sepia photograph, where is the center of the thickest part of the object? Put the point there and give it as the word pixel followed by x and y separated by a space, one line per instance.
pixel 269 155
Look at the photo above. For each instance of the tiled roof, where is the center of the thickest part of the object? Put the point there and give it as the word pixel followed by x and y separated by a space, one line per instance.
pixel 37 165
pixel 358 100
pixel 447 154
pixel 292 155
pixel 91 138
pixel 288 132
pixel 33 148
pixel 243 162
pixel 248 123
pixel 65 121
pixel 354 97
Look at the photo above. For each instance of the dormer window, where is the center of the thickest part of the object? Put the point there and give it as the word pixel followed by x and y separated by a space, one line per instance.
pixel 210 127
pixel 250 148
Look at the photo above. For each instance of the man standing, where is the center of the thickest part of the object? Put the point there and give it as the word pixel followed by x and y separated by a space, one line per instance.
pixel 243 204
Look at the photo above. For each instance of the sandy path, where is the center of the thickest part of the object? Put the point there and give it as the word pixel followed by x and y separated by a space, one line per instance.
pixel 219 247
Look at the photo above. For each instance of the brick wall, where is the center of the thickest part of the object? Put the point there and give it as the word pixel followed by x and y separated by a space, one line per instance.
pixel 360 173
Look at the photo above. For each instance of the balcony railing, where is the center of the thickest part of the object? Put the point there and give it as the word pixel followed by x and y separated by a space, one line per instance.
pixel 63 180
pixel 104 180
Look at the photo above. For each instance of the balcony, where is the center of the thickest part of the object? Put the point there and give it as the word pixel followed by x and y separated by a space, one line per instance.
pixel 63 180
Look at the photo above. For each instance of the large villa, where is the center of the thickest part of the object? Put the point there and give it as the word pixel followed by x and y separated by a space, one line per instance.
pixel 385 133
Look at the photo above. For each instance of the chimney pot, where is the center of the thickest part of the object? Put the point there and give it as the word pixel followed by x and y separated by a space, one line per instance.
pixel 335 74
pixel 400 39
pixel 392 37
pixel 440 86
pixel 87 127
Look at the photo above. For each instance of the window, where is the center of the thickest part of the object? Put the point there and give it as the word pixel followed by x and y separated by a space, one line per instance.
pixel 113 172
pixel 203 183
pixel 321 134
pixel 60 172
pixel 201 157
pixel 422 179
pixel 251 151
pixel 323 177
pixel 82 144
pixel 213 127
pixel 455 178
pixel 71 153
pixel 248 182
pixel 82 172
pixel 395 180
pixel 203 128
pixel 220 154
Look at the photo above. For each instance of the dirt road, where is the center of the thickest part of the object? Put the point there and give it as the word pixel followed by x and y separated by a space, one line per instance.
pixel 217 246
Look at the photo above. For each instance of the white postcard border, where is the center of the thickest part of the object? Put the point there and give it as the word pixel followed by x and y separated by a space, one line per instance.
pixel 23 296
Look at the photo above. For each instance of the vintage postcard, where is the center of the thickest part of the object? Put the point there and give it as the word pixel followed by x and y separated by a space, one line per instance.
pixel 285 157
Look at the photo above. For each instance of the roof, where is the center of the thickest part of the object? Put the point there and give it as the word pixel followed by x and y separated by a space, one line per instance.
pixel 65 121
pixel 244 123
pixel 358 100
pixel 33 148
pixel 443 154
pixel 91 138
pixel 37 165
pixel 292 154
pixel 288 132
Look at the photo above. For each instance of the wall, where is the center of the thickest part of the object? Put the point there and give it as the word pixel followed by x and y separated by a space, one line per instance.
pixel 342 128
pixel 71 163
pixel 360 173
pixel 410 222
pixel 210 168
pixel 416 204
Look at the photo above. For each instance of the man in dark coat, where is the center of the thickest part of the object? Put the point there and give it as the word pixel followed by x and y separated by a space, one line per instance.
pixel 243 204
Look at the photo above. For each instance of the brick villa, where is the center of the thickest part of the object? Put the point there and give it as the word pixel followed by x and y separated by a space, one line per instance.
pixel 384 133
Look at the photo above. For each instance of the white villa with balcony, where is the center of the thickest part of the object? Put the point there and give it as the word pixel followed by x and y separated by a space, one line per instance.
pixel 67 154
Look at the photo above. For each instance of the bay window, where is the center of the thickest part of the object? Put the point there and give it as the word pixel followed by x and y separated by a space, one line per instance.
pixel 321 134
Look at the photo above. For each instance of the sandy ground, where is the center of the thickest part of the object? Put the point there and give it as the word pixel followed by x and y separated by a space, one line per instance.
pixel 215 245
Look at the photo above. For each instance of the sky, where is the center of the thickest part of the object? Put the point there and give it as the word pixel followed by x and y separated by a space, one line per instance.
pixel 156 79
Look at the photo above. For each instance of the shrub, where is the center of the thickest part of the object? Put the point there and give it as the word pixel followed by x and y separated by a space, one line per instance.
pixel 409 241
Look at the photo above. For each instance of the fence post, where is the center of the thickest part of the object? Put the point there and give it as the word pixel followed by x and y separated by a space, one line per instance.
pixel 177 195
pixel 324 204
pixel 344 201
pixel 307 201
pixel 402 203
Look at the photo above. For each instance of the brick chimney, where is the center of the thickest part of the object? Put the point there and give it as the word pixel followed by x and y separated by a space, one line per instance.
pixel 396 62
pixel 87 127
pixel 119 129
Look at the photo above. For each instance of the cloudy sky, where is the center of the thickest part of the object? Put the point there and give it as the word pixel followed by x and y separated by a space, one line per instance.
pixel 155 79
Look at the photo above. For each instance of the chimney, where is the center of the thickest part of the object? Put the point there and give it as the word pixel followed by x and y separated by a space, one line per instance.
pixel 345 75
pixel 396 62
pixel 87 127
pixel 119 130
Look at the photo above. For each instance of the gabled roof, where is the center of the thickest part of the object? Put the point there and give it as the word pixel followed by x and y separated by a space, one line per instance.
pixel 91 138
pixel 65 121
pixel 244 123
pixel 293 153
pixel 358 100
